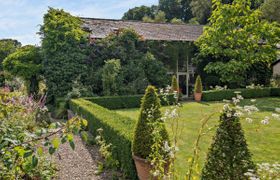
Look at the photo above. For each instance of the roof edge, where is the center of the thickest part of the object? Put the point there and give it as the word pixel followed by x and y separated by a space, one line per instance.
pixel 168 23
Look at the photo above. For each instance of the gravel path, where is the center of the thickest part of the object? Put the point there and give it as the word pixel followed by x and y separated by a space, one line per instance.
pixel 80 164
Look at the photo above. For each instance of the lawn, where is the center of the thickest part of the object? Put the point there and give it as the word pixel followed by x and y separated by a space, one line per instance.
pixel 263 140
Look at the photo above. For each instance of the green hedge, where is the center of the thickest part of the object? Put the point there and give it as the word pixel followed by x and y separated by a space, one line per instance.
pixel 219 95
pixel 275 92
pixel 123 102
pixel 118 130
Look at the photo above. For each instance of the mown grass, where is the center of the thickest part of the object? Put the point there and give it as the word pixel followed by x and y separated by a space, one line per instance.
pixel 263 140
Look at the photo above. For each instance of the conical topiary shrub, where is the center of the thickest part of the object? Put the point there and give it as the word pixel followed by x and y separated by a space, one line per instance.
pixel 143 136
pixel 228 157
pixel 174 84
pixel 198 85
pixel 143 133
pixel 198 89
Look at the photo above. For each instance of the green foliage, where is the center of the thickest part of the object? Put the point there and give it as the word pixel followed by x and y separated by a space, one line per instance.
pixel 22 137
pixel 105 150
pixel 155 71
pixel 228 156
pixel 219 95
pixel 233 39
pixel 275 92
pixel 174 84
pixel 137 66
pixel 26 62
pixel 198 85
pixel 7 46
pixel 117 130
pixel 270 10
pixel 201 10
pixel 110 72
pixel 64 53
pixel 138 13
pixel 121 102
pixel 149 114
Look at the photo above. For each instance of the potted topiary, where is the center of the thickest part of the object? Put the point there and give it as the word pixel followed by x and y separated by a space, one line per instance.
pixel 198 89
pixel 143 141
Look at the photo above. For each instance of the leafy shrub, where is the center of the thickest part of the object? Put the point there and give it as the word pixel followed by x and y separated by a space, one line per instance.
pixel 26 62
pixel 198 85
pixel 24 134
pixel 117 130
pixel 109 73
pixel 150 113
pixel 214 95
pixel 228 156
pixel 121 102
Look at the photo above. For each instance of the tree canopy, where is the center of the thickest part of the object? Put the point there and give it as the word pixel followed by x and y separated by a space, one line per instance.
pixel 271 10
pixel 7 46
pixel 26 62
pixel 237 38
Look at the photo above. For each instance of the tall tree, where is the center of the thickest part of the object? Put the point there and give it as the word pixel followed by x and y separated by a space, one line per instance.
pixel 171 8
pixel 7 46
pixel 237 38
pixel 26 62
pixel 271 10
pixel 138 13
pixel 201 10
pixel 63 49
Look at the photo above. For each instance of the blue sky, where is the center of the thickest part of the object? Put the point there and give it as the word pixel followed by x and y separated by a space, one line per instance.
pixel 20 19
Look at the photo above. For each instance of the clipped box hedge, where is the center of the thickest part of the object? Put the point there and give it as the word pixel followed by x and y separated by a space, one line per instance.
pixel 274 92
pixel 117 130
pixel 219 95
pixel 123 102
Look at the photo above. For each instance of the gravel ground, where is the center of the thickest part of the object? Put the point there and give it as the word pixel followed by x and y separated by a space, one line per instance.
pixel 79 164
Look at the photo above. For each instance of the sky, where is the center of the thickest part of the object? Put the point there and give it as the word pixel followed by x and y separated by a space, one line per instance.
pixel 21 19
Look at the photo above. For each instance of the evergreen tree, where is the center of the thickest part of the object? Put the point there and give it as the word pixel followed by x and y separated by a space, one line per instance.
pixel 228 157
pixel 149 113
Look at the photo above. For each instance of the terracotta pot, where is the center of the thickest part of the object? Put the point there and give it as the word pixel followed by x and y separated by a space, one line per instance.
pixel 144 168
pixel 197 96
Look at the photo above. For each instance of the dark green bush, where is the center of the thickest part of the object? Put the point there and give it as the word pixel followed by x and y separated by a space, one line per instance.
pixel 149 113
pixel 117 130
pixel 198 85
pixel 121 102
pixel 228 157
pixel 219 95
pixel 275 92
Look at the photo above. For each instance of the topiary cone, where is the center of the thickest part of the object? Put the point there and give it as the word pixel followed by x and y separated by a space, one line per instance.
pixel 228 157
pixel 198 89
pixel 143 139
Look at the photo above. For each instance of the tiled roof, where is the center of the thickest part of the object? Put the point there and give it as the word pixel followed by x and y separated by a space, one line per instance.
pixel 100 28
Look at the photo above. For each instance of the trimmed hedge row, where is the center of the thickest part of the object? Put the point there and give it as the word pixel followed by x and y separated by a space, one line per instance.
pixel 118 130
pixel 123 102
pixel 219 95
